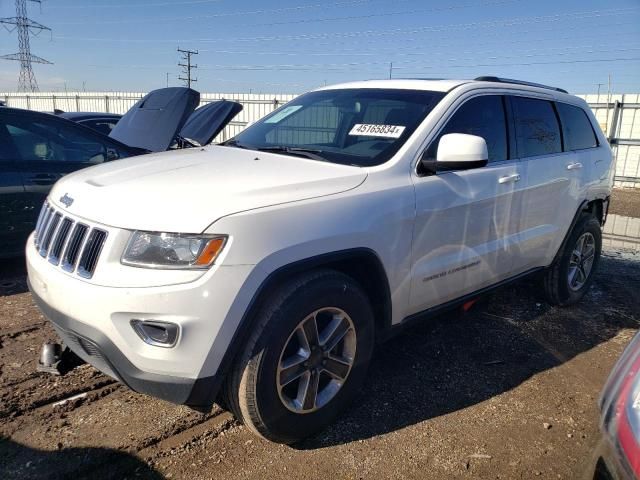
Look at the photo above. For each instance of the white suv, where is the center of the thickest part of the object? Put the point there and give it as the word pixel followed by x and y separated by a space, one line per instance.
pixel 261 272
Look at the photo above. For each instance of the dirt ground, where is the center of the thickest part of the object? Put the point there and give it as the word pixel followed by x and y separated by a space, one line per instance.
pixel 508 390
pixel 626 201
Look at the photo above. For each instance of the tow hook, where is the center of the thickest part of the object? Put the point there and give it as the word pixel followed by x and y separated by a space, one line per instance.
pixel 57 359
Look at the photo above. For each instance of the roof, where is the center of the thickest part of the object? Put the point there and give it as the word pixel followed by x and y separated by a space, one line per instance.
pixel 76 116
pixel 402 84
pixel 442 85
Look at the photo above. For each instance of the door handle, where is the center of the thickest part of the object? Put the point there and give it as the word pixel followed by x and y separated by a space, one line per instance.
pixel 574 166
pixel 42 178
pixel 509 178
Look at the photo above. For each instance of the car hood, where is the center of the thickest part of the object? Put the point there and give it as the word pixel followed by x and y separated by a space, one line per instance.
pixel 186 190
pixel 208 121
pixel 153 122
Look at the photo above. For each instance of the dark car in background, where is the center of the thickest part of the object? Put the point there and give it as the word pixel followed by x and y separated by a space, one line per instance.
pixel 618 453
pixel 100 122
pixel 36 149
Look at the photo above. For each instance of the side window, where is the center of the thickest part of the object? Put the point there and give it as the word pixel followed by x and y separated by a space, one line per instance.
pixel 39 139
pixel 482 116
pixel 310 126
pixel 103 126
pixel 7 148
pixel 577 129
pixel 537 129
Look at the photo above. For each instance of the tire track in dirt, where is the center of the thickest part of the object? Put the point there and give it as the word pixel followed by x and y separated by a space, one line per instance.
pixel 182 437
pixel 17 332
pixel 23 404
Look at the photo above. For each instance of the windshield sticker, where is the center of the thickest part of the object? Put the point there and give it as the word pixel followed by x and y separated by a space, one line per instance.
pixel 370 130
pixel 284 113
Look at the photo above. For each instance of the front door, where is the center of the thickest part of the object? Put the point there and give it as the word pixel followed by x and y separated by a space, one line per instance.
pixel 46 148
pixel 466 221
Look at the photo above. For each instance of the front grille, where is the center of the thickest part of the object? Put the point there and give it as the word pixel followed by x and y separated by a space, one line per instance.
pixel 60 241
pixel 47 234
pixel 91 252
pixel 89 348
pixel 76 241
pixel 67 242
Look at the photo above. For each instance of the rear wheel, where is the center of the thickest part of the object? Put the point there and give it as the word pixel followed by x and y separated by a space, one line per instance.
pixel 306 359
pixel 570 276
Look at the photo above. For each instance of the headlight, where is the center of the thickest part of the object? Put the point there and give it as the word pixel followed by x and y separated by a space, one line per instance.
pixel 172 250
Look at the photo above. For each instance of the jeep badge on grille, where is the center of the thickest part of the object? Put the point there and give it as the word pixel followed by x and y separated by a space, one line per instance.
pixel 66 200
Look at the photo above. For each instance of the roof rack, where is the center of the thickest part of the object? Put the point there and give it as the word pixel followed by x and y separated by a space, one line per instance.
pixel 489 78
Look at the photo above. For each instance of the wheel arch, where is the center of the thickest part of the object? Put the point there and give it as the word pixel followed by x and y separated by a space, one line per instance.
pixel 362 264
pixel 597 207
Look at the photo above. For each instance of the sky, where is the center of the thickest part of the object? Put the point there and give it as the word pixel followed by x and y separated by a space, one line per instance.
pixel 265 46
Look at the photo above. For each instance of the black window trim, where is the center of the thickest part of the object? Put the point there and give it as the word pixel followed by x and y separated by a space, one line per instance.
pixel 512 145
pixel 511 118
pixel 510 132
pixel 595 135
pixel 563 147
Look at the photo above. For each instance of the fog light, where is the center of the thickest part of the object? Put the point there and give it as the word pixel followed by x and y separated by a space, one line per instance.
pixel 156 333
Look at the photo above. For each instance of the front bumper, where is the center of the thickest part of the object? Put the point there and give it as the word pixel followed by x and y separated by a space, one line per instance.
pixel 95 322
pixel 95 348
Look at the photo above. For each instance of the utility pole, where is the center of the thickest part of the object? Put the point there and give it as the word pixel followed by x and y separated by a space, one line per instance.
pixel 25 26
pixel 390 70
pixel 186 67
pixel 167 79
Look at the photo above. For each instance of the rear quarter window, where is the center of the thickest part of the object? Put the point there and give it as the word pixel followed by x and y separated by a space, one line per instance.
pixel 577 129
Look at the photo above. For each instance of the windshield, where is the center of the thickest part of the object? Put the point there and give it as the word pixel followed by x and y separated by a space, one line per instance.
pixel 362 127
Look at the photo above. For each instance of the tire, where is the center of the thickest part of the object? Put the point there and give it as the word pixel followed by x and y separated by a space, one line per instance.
pixel 559 288
pixel 257 391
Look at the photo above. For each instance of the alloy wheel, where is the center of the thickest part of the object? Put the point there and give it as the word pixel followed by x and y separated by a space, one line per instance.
pixel 316 360
pixel 581 261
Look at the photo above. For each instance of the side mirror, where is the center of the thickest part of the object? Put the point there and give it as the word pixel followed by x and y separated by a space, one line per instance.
pixel 458 151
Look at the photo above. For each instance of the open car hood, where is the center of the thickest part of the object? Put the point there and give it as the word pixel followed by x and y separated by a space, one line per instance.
pixel 153 122
pixel 208 121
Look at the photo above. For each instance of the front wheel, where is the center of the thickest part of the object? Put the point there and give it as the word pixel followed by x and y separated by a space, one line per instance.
pixel 570 276
pixel 306 359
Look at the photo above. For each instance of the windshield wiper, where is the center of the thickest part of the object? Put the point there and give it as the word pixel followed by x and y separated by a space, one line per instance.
pixel 304 152
pixel 234 143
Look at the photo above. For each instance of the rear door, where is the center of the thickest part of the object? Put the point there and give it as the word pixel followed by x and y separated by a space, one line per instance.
pixel 47 148
pixel 466 221
pixel 580 139
pixel 553 184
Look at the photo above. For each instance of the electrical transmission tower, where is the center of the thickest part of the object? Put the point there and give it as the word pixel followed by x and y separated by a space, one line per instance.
pixel 186 67
pixel 25 26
